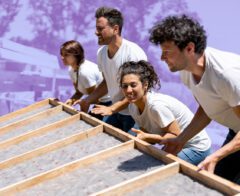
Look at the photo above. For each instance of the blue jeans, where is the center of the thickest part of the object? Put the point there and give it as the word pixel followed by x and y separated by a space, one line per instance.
pixel 124 122
pixel 193 156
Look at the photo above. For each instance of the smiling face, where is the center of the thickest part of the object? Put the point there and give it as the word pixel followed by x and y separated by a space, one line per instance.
pixel 69 60
pixel 173 56
pixel 104 31
pixel 133 89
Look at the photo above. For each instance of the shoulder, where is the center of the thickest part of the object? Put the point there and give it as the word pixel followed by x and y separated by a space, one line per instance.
pixel 134 51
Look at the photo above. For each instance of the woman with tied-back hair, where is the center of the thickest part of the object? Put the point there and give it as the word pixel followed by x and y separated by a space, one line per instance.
pixel 159 116
pixel 84 74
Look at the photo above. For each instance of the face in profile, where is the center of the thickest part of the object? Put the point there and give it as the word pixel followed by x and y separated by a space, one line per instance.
pixel 68 59
pixel 132 88
pixel 104 31
pixel 171 54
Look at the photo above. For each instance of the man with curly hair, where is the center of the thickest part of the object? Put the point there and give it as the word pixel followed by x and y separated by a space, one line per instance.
pixel 213 77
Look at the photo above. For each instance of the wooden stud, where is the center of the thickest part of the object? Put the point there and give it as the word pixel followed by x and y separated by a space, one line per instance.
pixel 113 151
pixel 141 181
pixel 24 110
pixel 33 118
pixel 38 132
pixel 51 147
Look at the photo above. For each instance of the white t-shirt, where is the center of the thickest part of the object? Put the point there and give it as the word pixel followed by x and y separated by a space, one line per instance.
pixel 128 51
pixel 161 110
pixel 219 88
pixel 88 76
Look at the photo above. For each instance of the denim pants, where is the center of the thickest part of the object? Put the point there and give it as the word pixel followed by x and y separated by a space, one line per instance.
pixel 124 122
pixel 193 156
pixel 229 167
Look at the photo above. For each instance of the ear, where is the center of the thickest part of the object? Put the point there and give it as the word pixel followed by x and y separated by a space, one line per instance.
pixel 116 29
pixel 190 48
pixel 145 86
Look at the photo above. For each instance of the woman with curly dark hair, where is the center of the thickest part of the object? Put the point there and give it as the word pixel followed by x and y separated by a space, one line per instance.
pixel 159 116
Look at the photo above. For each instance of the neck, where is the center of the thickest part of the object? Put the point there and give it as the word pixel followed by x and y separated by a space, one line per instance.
pixel 197 67
pixel 114 46
pixel 141 103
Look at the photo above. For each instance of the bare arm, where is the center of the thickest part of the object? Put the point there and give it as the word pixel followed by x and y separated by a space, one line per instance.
pixel 171 131
pixel 109 110
pixel 90 89
pixel 76 96
pixel 93 97
pixel 210 162
pixel 198 123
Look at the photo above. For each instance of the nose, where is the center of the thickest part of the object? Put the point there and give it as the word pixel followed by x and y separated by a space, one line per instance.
pixel 163 57
pixel 96 32
pixel 129 89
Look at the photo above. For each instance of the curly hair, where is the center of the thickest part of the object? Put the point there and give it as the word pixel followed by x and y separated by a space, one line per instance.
pixel 180 29
pixel 113 16
pixel 143 69
pixel 74 48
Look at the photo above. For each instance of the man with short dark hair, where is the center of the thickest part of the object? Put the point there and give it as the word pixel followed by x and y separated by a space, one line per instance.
pixel 114 52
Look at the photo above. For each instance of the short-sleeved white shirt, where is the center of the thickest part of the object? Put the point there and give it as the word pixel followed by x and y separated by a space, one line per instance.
pixel 88 76
pixel 128 51
pixel 161 110
pixel 219 88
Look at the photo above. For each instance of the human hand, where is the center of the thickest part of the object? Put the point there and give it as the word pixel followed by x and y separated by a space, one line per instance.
pixel 172 145
pixel 69 102
pixel 208 164
pixel 140 134
pixel 103 110
pixel 84 104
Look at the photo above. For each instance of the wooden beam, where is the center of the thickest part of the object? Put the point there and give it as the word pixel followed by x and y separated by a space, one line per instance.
pixel 51 147
pixel 113 151
pixel 141 181
pixel 209 179
pixel 24 110
pixel 38 132
pixel 188 169
pixel 66 107
pixel 90 119
pixel 155 152
pixel 35 117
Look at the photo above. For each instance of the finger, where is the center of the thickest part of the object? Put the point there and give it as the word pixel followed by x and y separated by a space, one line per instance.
pixel 136 130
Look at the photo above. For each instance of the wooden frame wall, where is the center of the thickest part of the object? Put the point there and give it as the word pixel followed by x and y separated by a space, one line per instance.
pixel 174 164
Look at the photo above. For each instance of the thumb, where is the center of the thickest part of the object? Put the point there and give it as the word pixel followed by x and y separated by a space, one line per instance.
pixel 136 130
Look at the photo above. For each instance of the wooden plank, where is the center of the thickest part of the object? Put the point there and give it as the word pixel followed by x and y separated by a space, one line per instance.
pixel 35 117
pixel 66 107
pixel 51 147
pixel 14 188
pixel 141 181
pixel 24 110
pixel 188 169
pixel 209 179
pixel 38 132
pixel 153 151
pixel 90 119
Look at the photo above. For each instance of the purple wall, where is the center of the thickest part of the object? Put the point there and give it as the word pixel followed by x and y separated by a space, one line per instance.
pixel 32 31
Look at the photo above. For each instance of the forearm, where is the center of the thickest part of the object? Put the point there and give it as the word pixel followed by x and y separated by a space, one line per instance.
pixel 228 149
pixel 100 91
pixel 198 123
pixel 155 138
pixel 77 95
pixel 120 105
